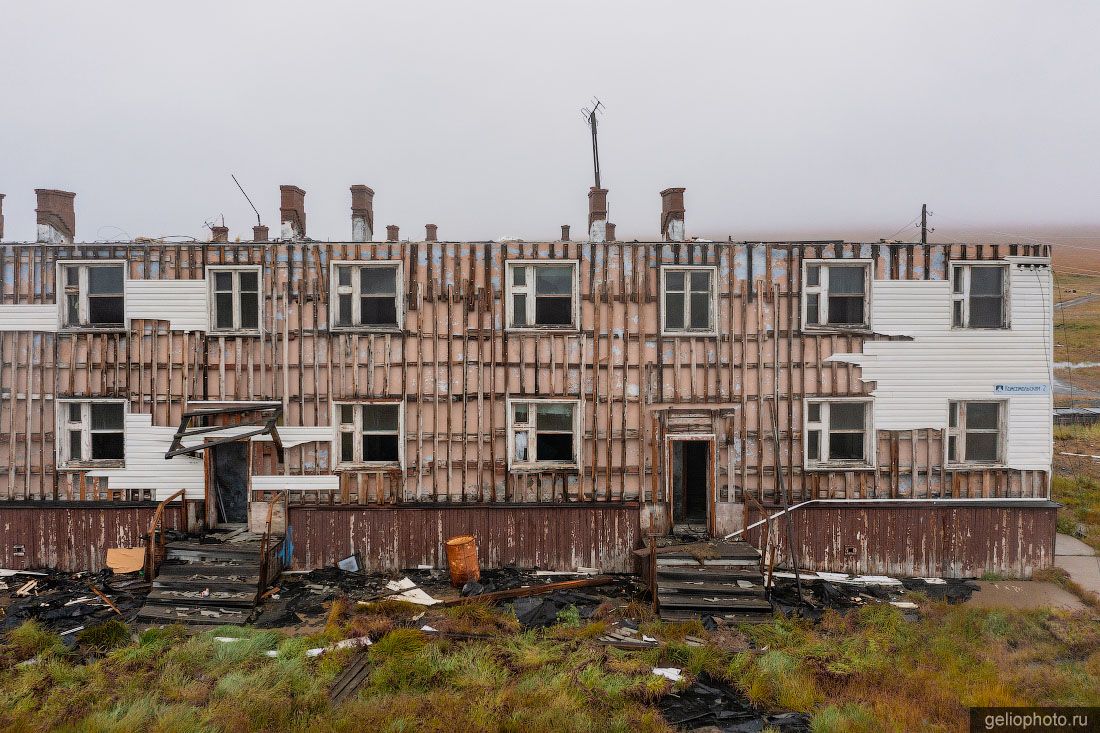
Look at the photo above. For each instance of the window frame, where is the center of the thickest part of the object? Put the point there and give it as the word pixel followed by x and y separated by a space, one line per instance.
pixel 574 300
pixel 822 291
pixel 82 306
pixel 212 270
pixel 63 426
pixel 713 301
pixel 357 446
pixel 870 436
pixel 963 297
pixel 334 301
pixel 532 443
pixel 959 431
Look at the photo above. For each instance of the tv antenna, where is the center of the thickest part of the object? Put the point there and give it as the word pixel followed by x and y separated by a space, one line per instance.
pixel 589 113
pixel 258 222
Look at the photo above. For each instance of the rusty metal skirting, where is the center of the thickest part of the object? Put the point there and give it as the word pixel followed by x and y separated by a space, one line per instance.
pixel 551 537
pixel 74 536
pixel 956 539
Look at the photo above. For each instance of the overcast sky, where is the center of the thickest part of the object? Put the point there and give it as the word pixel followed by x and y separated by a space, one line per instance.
pixel 810 117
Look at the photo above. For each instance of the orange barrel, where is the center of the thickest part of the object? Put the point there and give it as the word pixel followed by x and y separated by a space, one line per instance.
pixel 462 560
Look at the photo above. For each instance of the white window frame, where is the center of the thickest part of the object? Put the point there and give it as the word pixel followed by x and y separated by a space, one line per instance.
pixel 357 430
pixel 82 307
pixel 822 462
pixel 713 302
pixel 957 409
pixel 334 292
pixel 961 299
pixel 822 292
pixel 63 426
pixel 509 290
pixel 532 440
pixel 212 300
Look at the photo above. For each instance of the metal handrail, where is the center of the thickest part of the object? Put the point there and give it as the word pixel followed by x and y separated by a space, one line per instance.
pixel 150 541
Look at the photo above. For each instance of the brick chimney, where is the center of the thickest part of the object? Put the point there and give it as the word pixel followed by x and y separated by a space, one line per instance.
pixel 431 233
pixel 672 214
pixel 1 216
pixel 565 232
pixel 392 233
pixel 219 234
pixel 597 214
pixel 56 216
pixel 610 232
pixel 292 212
pixel 260 234
pixel 362 213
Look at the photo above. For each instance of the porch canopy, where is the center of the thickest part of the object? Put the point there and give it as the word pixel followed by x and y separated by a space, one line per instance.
pixel 235 423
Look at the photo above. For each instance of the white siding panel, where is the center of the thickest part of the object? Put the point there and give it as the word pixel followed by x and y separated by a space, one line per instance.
pixel 295 483
pixel 28 317
pixel 146 467
pixel 916 379
pixel 180 302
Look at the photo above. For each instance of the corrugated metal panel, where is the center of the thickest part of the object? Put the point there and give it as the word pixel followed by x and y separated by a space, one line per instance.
pixel 180 302
pixel 919 539
pixel 915 379
pixel 550 537
pixel 73 537
pixel 36 317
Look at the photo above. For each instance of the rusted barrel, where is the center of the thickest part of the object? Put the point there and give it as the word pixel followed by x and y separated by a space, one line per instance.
pixel 462 560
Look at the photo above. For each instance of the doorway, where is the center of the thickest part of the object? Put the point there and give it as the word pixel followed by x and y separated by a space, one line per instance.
pixel 690 485
pixel 229 474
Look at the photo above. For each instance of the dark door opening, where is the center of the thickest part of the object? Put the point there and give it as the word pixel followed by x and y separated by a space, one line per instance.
pixel 690 482
pixel 229 464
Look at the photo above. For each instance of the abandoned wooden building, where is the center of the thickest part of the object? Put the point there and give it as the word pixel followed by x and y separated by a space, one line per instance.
pixel 559 400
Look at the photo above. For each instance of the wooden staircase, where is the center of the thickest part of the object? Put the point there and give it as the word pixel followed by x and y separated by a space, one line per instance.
pixel 720 579
pixel 210 584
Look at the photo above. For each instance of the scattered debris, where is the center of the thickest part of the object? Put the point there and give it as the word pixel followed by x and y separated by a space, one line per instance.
pixel 350 564
pixel 59 601
pixel 537 612
pixel 124 560
pixel 407 590
pixel 669 673
pixel 533 590
pixel 355 643
pixel 710 702
pixel 351 679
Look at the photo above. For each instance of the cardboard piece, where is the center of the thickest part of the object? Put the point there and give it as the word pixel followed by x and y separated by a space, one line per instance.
pixel 126 559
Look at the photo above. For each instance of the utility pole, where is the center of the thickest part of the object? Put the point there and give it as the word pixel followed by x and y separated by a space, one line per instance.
pixel 924 223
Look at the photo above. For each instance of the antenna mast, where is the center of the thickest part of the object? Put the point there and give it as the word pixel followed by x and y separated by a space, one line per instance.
pixel 589 114
pixel 258 222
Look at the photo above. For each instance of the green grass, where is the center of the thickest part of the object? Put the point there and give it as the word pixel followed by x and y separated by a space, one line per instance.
pixel 1080 499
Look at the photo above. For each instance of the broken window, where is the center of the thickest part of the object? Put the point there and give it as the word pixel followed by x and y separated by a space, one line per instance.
pixel 234 299
pixel 544 432
pixel 689 302
pixel 835 295
pixel 370 432
pixel 91 432
pixel 367 295
pixel 978 296
pixel 974 432
pixel 541 295
pixel 838 432
pixel 93 295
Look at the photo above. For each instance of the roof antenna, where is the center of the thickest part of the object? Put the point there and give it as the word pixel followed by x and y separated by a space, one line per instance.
pixel 589 114
pixel 258 222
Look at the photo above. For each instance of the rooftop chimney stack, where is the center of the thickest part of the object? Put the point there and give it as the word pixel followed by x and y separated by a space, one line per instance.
pixel 219 233
pixel 260 234
pixel 1 216
pixel 565 232
pixel 292 212
pixel 56 216
pixel 597 214
pixel 392 233
pixel 610 232
pixel 431 233
pixel 362 213
pixel 672 214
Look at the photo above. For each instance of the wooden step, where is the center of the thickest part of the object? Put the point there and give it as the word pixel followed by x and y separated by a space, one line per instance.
pixel 712 603
pixel 685 560
pixel 240 598
pixel 749 617
pixel 217 616
pixel 690 588
pixel 709 574
pixel 182 584
pixel 181 568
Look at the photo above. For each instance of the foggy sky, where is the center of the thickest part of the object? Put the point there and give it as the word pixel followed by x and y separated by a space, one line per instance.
pixel 813 117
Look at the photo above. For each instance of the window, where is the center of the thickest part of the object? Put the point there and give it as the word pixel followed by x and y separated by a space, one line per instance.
pixel 367 295
pixel 93 295
pixel 90 433
pixel 689 300
pixel 542 295
pixel 234 298
pixel 543 433
pixel 835 295
pixel 974 431
pixel 978 296
pixel 370 433
pixel 838 433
